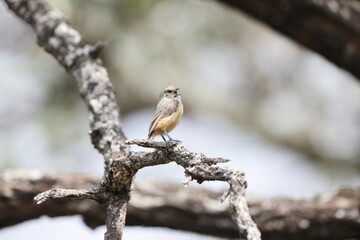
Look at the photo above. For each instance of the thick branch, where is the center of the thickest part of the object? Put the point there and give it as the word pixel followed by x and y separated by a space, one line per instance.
pixel 67 46
pixel 196 209
pixel 19 187
pixel 329 27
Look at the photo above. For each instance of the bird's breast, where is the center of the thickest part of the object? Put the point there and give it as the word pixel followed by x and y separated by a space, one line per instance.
pixel 170 122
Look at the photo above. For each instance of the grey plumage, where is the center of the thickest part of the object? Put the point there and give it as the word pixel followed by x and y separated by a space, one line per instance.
pixel 165 108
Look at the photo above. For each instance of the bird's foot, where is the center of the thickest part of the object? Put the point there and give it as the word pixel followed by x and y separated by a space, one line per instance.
pixel 170 139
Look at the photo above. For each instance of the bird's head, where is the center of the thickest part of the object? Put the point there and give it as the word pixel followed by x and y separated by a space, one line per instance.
pixel 170 92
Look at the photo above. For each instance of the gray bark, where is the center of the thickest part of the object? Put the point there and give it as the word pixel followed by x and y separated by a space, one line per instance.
pixel 66 45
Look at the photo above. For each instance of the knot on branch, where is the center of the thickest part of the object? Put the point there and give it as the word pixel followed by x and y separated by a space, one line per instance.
pixel 238 179
pixel 96 136
pixel 96 49
pixel 120 174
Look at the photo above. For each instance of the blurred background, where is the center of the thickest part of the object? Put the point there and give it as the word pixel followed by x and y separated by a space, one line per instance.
pixel 277 110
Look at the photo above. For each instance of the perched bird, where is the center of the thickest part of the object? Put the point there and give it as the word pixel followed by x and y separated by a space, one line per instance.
pixel 168 113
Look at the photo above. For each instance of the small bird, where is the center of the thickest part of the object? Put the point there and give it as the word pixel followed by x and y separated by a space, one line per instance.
pixel 168 113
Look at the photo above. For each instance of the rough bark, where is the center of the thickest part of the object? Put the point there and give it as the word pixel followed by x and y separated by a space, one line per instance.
pixel 67 46
pixel 79 58
pixel 200 168
pixel 331 215
pixel 329 27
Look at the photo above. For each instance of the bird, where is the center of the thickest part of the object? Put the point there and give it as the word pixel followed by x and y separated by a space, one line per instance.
pixel 168 113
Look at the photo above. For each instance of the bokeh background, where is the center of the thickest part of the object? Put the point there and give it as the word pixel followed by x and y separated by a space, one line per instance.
pixel 277 110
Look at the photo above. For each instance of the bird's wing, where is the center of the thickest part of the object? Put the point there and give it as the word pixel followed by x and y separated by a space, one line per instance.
pixel 164 109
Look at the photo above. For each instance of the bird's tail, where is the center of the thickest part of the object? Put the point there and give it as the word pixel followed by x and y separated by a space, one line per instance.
pixel 150 135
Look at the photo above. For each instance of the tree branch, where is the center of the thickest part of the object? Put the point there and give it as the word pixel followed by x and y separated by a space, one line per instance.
pixel 329 27
pixel 196 209
pixel 75 194
pixel 59 39
pixel 66 45
pixel 199 167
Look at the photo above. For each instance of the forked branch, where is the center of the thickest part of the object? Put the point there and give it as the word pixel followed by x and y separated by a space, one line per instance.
pixel 200 168
pixel 78 57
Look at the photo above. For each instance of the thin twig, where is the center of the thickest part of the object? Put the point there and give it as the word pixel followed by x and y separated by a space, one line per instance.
pixel 77 194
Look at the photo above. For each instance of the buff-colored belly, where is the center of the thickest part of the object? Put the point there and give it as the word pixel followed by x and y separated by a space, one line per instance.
pixel 169 123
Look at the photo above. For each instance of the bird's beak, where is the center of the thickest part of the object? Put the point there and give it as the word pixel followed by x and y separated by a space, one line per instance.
pixel 177 89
